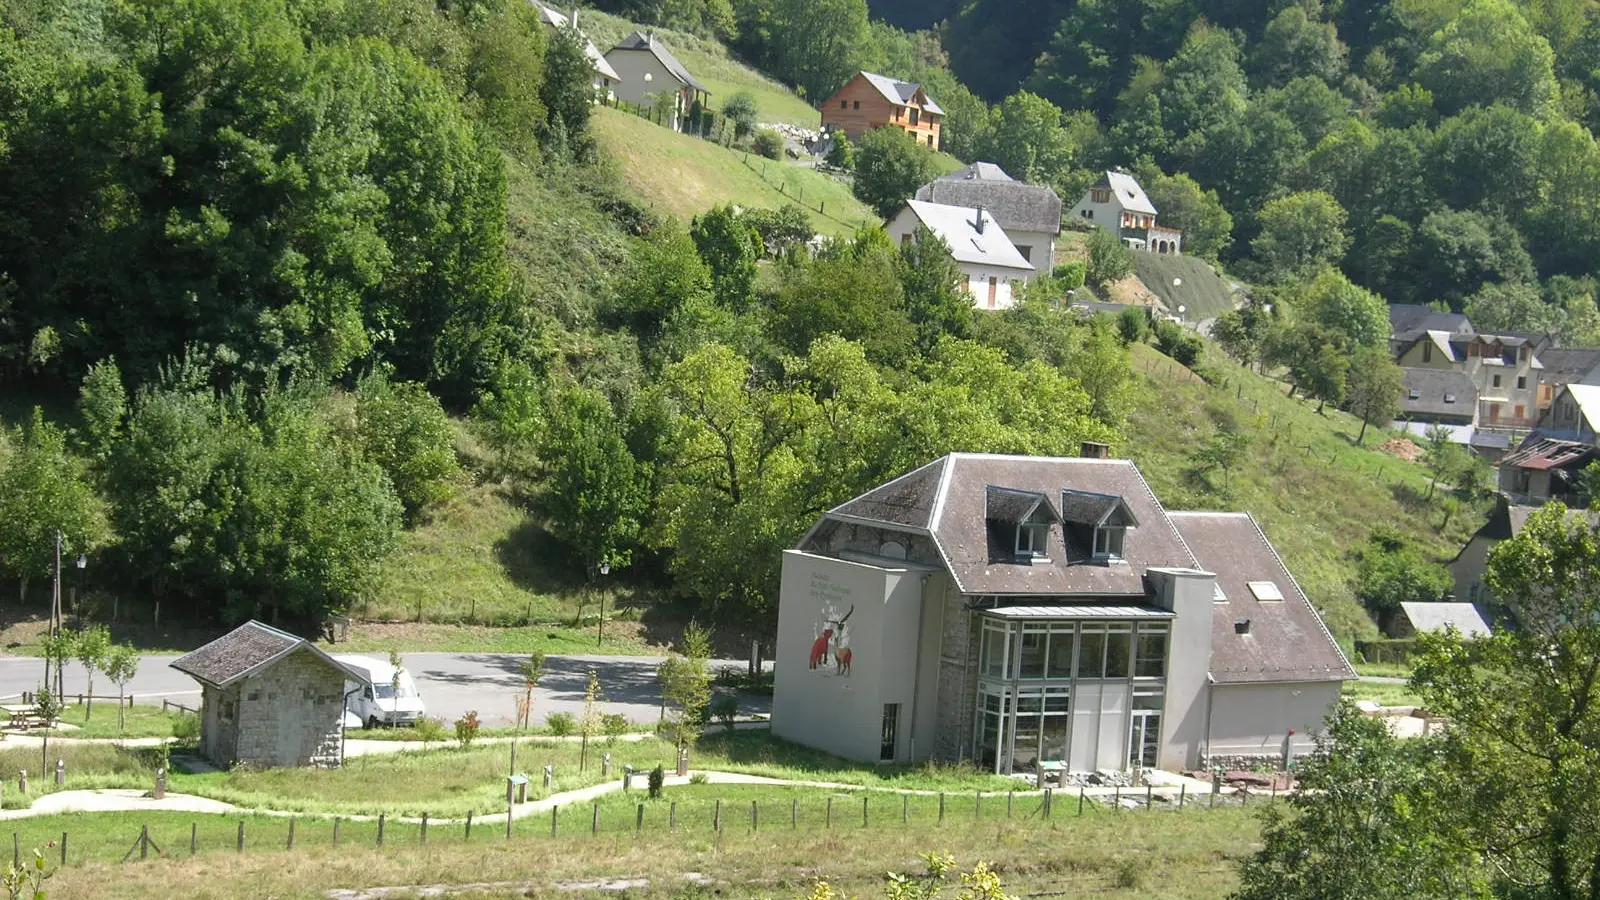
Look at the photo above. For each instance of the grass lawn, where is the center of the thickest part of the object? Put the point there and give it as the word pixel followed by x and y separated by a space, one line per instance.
pixel 1384 670
pixel 1169 856
pixel 138 721
pixel 683 176
pixel 1316 494
pixel 1382 694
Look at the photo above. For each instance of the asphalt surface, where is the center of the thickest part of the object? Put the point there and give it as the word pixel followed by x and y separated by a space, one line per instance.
pixel 450 684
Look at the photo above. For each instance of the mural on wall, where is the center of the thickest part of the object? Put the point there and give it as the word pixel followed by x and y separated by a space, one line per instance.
pixel 832 640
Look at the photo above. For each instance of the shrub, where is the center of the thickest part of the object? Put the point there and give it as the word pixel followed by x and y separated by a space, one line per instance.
pixel 615 725
pixel 429 729
pixel 842 153
pixel 1172 340
pixel 768 143
pixel 467 728
pixel 698 778
pixel 1109 259
pixel 657 779
pixel 724 707
pixel 186 727
pixel 561 724
pixel 740 109
pixel 1071 274
pixel 1133 325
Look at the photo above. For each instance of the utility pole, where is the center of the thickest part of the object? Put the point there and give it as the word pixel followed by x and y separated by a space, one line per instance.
pixel 600 632
pixel 55 613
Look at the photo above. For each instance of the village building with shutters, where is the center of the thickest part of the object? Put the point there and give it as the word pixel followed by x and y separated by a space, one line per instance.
pixel 1046 616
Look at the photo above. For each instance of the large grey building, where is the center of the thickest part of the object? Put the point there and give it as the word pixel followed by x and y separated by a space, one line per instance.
pixel 1023 611
pixel 268 699
pixel 1029 214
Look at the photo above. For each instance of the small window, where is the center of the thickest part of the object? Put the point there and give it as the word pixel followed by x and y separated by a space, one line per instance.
pixel 1108 542
pixel 1026 251
pixel 1032 539
pixel 1150 660
pixel 891 726
pixel 844 104
pixel 1449 398
pixel 1100 196
pixel 856 104
pixel 1217 595
pixel 1265 590
pixel 1427 353
pixel 1522 382
pixel 1088 214
pixel 1496 380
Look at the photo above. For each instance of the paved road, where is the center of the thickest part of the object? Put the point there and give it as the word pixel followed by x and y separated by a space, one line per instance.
pixel 450 683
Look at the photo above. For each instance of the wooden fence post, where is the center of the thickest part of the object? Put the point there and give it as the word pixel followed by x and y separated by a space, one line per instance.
pixel 905 809
pixel 64 849
pixel 716 817
pixel 553 810
pixel 794 814
pixel 380 829
pixel 241 837
pixel 755 817
pixel 469 826
pixel 594 824
pixel 828 821
pixel 864 799
pixel 672 816
pixel 336 822
pixel 422 837
pixel 638 820
pixel 290 845
pixel 1081 791
pixel 941 807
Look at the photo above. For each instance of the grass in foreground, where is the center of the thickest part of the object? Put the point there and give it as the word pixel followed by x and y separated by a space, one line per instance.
pixel 1171 856
pixel 139 721
pixel 683 176
pixel 1317 505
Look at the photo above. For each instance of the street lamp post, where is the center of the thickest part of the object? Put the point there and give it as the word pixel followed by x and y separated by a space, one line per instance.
pixel 600 632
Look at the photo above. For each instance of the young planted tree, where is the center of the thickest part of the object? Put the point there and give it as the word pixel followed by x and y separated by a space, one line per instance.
pixel 47 706
pixel 593 722
pixel 121 664
pixel 90 647
pixel 687 685
pixel 1224 451
pixel 532 670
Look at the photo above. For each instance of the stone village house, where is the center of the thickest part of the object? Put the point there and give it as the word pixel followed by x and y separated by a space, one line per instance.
pixel 1029 214
pixel 268 699
pixel 1116 203
pixel 649 73
pixel 1025 612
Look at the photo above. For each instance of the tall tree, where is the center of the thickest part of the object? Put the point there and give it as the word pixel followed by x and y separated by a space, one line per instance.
pixel 567 89
pixel 890 166
pixel 1375 386
pixel 44 492
pixel 595 490
pixel 731 248
pixel 1488 54
pixel 935 302
pixel 1300 234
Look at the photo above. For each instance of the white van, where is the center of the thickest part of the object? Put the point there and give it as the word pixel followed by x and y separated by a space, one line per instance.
pixel 384 696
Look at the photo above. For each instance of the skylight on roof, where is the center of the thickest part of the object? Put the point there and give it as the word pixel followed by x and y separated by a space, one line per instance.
pixel 1217 596
pixel 1265 590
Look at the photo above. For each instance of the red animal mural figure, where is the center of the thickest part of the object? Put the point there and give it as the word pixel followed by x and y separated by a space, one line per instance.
pixel 842 656
pixel 819 648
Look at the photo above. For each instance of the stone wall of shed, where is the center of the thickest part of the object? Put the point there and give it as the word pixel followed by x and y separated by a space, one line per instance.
pixel 292 714
pixel 219 724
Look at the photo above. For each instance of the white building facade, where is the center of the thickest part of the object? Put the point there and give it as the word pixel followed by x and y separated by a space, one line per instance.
pixel 991 265
pixel 1116 203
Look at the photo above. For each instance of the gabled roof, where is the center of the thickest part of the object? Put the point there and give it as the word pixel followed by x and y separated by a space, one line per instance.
pixel 1008 505
pixel 1015 205
pixel 1286 640
pixel 1438 392
pixel 1130 196
pixel 958 227
pixel 1542 453
pixel 649 43
pixel 244 651
pixel 1406 320
pixel 947 499
pixel 1435 617
pixel 902 93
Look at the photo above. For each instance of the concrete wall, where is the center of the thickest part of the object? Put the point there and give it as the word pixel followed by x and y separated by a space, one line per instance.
pixel 291 714
pixel 1187 592
pixel 1468 570
pixel 824 706
pixel 958 683
pixel 1250 721
pixel 1041 248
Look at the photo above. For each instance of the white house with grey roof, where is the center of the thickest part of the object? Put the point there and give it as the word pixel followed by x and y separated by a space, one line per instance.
pixel 1116 203
pixel 650 74
pixel 1030 214
pixel 1037 614
pixel 990 263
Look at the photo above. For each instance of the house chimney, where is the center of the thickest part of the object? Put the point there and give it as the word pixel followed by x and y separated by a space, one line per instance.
pixel 1095 450
pixel 574 17
pixel 979 224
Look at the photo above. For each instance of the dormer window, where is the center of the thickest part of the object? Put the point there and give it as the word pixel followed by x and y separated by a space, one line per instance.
pixel 1019 524
pixel 1108 541
pixel 1033 539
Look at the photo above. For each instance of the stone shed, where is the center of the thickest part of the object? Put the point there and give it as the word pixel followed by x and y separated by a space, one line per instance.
pixel 269 699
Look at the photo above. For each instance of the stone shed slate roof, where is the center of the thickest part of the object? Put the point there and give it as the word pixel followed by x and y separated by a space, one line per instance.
pixel 1432 387
pixel 946 499
pixel 650 44
pixel 1015 205
pixel 245 651
pixel 1435 617
pixel 1287 640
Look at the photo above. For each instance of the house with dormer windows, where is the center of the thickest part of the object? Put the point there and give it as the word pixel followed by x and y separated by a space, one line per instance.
pixel 1046 615
pixel 1116 203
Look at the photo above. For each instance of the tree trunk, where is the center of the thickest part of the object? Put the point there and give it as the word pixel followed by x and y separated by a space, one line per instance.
pixel 88 706
pixel 1363 435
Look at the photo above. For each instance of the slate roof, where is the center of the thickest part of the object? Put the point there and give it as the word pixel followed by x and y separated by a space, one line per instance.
pixel 1565 365
pixel 1006 505
pixel 1406 320
pixel 1287 640
pixel 903 93
pixel 650 44
pixel 947 499
pixel 957 226
pixel 1432 386
pixel 243 652
pixel 1542 453
pixel 1431 617
pixel 1015 205
pixel 1128 192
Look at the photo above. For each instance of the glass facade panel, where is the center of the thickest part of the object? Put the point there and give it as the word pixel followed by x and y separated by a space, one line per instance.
pixel 1151 661
pixel 1119 651
pixel 1059 662
pixel 1033 649
pixel 993 652
pixel 1092 652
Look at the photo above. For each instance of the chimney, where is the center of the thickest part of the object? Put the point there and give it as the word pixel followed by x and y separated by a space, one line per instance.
pixel 574 17
pixel 1095 450
pixel 979 224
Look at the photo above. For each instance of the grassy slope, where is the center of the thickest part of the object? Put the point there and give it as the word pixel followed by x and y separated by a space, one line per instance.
pixel 1202 293
pixel 682 176
pixel 1316 507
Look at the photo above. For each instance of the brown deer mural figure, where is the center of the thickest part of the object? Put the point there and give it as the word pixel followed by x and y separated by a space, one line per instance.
pixel 825 642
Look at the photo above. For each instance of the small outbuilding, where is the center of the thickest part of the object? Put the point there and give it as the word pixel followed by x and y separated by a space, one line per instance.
pixel 269 699
pixel 1436 618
